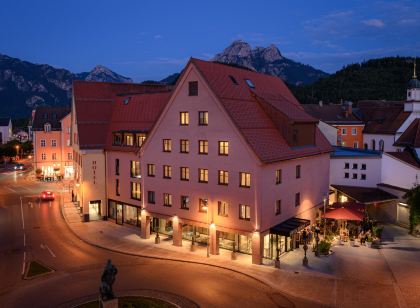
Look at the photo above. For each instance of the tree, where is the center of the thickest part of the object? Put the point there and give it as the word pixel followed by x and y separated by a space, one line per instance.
pixel 413 200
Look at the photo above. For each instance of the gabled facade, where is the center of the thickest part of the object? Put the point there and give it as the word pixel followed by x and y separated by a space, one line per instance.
pixel 5 130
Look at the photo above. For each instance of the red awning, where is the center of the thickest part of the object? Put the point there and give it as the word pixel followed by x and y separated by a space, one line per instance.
pixel 349 205
pixel 344 214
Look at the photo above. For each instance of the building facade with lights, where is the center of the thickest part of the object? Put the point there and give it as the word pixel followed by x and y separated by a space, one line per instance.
pixel 53 153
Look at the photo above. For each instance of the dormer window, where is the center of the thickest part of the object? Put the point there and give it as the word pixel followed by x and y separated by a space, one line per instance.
pixel 126 100
pixel 117 139
pixel 249 83
pixel 129 140
pixel 233 80
pixel 140 138
pixel 47 127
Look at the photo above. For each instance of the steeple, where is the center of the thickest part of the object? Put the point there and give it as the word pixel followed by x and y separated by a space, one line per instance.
pixel 414 69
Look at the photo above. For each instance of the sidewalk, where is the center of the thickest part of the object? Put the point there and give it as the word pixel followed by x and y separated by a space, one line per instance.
pixel 320 282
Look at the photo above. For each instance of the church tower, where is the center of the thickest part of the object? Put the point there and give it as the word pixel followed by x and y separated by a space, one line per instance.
pixel 413 91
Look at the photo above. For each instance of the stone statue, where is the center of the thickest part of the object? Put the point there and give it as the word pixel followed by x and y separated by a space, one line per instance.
pixel 107 280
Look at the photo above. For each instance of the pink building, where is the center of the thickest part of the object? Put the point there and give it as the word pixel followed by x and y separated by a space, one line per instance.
pixel 228 158
pixel 53 153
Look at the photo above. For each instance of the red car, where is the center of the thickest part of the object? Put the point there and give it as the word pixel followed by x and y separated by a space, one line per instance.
pixel 47 195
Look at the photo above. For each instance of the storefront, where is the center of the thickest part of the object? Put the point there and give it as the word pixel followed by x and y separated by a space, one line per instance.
pixel 162 226
pixel 124 213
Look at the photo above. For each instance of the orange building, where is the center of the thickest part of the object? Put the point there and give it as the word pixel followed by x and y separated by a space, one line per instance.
pixel 53 154
pixel 349 128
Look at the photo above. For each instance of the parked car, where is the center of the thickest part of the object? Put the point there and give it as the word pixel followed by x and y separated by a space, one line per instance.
pixel 47 195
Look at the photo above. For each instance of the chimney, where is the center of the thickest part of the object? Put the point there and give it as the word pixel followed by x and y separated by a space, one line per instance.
pixel 348 108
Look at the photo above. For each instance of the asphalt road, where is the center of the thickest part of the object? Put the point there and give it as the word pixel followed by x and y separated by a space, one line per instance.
pixel 33 230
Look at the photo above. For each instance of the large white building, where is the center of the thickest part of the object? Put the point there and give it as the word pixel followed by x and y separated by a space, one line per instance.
pixel 5 130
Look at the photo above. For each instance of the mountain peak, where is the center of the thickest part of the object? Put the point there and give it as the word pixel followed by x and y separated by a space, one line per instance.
pixel 104 74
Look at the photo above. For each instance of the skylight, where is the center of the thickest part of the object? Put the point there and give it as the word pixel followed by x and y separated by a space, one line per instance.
pixel 233 79
pixel 126 100
pixel 249 83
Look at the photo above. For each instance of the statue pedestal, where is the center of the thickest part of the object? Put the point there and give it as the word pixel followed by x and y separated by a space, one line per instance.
pixel 111 303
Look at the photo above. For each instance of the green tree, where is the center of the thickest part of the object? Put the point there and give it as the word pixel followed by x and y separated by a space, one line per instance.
pixel 413 200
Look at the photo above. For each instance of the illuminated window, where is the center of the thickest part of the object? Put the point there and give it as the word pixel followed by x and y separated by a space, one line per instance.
pixel 203 205
pixel 222 208
pixel 167 199
pixel 244 179
pixel 203 175
pixel 140 138
pixel 167 172
pixel 151 169
pixel 185 173
pixel 129 140
pixel 278 176
pixel 223 177
pixel 184 118
pixel 203 147
pixel 135 191
pixel 244 212
pixel 167 145
pixel 184 146
pixel 224 148
pixel 185 202
pixel 203 118
pixel 135 169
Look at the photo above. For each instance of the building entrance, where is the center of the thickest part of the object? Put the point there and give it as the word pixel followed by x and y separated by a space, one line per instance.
pixel 95 210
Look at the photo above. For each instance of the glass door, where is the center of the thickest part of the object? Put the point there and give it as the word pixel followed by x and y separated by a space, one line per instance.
pixel 119 219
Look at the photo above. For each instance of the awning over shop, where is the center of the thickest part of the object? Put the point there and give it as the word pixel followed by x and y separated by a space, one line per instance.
pixel 290 226
pixel 344 214
pixel 365 195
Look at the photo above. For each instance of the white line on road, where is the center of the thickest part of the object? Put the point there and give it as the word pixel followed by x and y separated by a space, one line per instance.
pixel 24 240
pixel 24 261
pixel 43 246
pixel 21 211
pixel 9 188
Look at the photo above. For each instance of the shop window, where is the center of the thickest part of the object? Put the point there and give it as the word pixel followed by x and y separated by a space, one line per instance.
pixel 184 146
pixel 167 145
pixel 223 177
pixel 167 199
pixel 184 118
pixel 297 199
pixel 203 118
pixel 193 88
pixel 203 175
pixel 222 208
pixel 203 205
pixel 278 176
pixel 167 172
pixel 224 148
pixel 277 209
pixel 244 212
pixel 135 191
pixel 151 197
pixel 244 179
pixel 135 169
pixel 151 169
pixel 185 202
pixel 298 171
pixel 203 147
pixel 185 173
pixel 131 216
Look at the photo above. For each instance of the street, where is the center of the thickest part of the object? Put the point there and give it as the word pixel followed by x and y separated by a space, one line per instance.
pixel 32 230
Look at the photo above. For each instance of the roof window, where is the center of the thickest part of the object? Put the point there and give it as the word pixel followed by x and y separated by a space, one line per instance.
pixel 126 100
pixel 249 83
pixel 233 79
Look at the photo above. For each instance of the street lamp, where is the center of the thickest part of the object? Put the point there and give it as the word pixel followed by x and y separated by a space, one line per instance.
pixel 17 151
pixel 325 219
pixel 206 208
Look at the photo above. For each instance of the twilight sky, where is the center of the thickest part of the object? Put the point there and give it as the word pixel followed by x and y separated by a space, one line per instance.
pixel 152 39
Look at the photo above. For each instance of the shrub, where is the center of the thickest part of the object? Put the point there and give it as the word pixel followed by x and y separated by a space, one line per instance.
pixel 377 231
pixel 324 247
pixel 413 200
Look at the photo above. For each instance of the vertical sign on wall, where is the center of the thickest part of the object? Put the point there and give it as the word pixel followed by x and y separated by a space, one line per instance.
pixel 94 171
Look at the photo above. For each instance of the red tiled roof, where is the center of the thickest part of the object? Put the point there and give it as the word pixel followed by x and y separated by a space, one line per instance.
pixel 411 136
pixel 331 114
pixel 382 117
pixel 139 114
pixel 249 109
pixel 94 103
pixel 407 157
pixel 52 115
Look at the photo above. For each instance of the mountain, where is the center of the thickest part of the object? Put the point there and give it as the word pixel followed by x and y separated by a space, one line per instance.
pixel 270 61
pixel 376 79
pixel 25 85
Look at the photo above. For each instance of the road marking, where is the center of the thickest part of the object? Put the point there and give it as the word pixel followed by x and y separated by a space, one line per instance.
pixel 21 211
pixel 24 240
pixel 9 188
pixel 24 261
pixel 43 246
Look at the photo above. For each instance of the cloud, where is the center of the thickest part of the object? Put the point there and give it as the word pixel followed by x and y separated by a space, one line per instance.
pixel 376 23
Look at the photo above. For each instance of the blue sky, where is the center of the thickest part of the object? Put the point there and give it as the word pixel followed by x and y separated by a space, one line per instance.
pixel 151 39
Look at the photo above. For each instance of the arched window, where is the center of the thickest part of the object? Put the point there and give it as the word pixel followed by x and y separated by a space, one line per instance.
pixel 373 144
pixel 365 146
pixel 47 127
pixel 381 145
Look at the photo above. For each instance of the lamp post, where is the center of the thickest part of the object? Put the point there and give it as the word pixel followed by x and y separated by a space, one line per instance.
pixel 317 241
pixel 206 208
pixel 325 219
pixel 305 247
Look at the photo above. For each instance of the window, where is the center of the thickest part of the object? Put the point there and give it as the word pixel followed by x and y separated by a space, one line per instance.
pixel 363 167
pixel 354 131
pixel 249 83
pixel 126 100
pixel 354 166
pixel 373 144
pixel 346 166
pixel 222 208
pixel 223 177
pixel 346 175
pixel 233 80
pixel 355 144
pixel 185 173
pixel 68 142
pixel 129 140
pixel 277 208
pixel 117 139
pixel 53 143
pixel 203 147
pixel 151 197
pixel 224 148
pixel 184 146
pixel 203 118
pixel 278 176
pixel 140 138
pixel 135 169
pixel 354 176
pixel 42 142
pixel 167 145
pixel 167 172
pixel 117 166
pixel 203 175
pixel 117 187
pixel 68 130
pixel 244 212
pixel 69 156
pixel 298 171
pixel 381 145
pixel 203 205
pixel 151 169
pixel 297 199
pixel 185 202
pixel 167 199
pixel 184 118
pixel 244 179
pixel 135 191
pixel 363 176
pixel 193 88
pixel 47 127
pixel 344 131
pixel 54 156
pixel 43 156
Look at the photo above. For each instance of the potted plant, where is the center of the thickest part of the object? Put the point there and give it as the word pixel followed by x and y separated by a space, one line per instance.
pixel 352 242
pixel 369 242
pixel 324 247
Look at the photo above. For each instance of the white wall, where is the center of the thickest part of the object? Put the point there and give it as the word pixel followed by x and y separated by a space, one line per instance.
pixel 330 132
pixel 398 173
pixel 373 171
pixel 6 132
pixel 388 141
